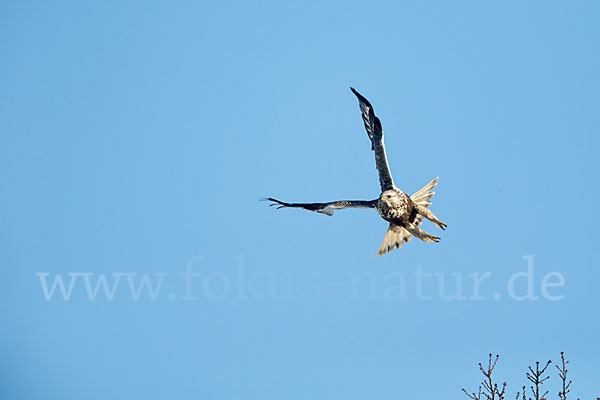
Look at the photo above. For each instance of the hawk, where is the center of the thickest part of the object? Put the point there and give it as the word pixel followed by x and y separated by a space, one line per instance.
pixel 403 212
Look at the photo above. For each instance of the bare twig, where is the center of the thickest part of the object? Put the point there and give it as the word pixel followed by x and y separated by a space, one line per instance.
pixel 562 373
pixel 536 377
pixel 490 389
pixel 519 393
pixel 473 395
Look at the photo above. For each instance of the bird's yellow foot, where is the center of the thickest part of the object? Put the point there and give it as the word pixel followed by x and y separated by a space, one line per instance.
pixel 442 225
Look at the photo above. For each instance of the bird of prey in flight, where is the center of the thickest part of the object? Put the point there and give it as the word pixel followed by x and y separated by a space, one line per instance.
pixel 404 213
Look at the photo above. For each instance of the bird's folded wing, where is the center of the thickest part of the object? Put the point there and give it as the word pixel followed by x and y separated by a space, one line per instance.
pixel 326 208
pixel 375 132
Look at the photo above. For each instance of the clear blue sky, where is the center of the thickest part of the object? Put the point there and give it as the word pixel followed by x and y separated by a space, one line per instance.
pixel 138 136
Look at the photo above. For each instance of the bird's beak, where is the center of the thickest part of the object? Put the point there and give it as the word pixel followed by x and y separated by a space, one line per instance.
pixel 383 197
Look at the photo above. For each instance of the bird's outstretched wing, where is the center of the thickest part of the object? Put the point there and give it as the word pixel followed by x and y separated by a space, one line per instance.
pixel 375 132
pixel 326 208
pixel 424 195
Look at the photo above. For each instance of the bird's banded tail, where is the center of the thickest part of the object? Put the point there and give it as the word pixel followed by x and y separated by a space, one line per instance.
pixel 395 237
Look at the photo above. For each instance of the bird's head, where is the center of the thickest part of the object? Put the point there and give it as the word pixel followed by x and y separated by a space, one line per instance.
pixel 389 197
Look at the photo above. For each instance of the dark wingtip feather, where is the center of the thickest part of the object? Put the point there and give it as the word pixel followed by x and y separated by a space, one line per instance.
pixel 276 202
pixel 361 98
